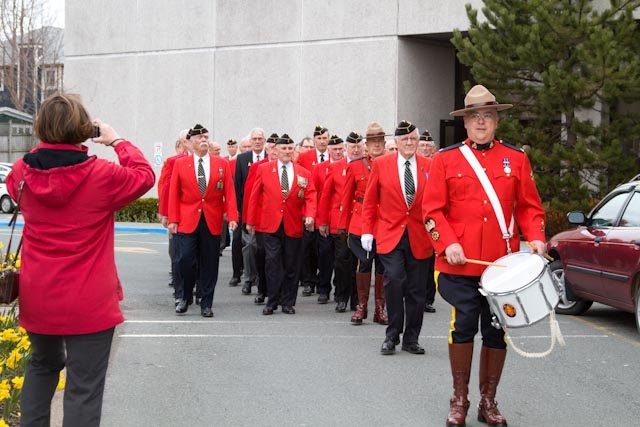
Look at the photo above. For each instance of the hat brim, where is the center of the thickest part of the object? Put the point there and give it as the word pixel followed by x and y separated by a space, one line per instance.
pixel 498 107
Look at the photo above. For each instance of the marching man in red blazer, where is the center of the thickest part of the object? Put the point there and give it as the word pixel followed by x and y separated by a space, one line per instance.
pixel 201 191
pixel 392 213
pixel 287 198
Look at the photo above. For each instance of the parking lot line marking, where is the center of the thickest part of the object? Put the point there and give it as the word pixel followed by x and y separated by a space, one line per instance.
pixel 316 336
pixel 164 243
pixel 607 330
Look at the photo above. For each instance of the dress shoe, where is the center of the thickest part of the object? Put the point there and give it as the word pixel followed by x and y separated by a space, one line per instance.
pixel 235 281
pixel 182 306
pixel 206 312
pixel 190 301
pixel 287 309
pixel 413 348
pixel 389 346
pixel 267 311
pixel 259 299
pixel 307 291
pixel 246 288
pixel 171 284
pixel 176 302
pixel 341 307
pixel 428 308
pixel 198 300
pixel 323 299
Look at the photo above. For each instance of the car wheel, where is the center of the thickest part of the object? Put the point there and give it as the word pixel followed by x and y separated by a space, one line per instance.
pixel 6 204
pixel 567 307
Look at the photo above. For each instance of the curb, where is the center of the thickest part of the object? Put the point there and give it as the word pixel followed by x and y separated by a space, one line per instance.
pixel 116 228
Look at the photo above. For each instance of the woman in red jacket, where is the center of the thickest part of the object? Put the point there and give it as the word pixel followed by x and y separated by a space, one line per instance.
pixel 69 287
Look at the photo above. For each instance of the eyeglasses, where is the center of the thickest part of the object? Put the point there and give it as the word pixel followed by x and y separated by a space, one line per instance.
pixel 476 116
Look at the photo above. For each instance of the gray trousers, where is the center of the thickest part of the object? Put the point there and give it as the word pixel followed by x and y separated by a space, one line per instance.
pixel 249 249
pixel 86 359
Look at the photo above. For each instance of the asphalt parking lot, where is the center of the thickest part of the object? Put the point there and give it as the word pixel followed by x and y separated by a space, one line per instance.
pixel 314 368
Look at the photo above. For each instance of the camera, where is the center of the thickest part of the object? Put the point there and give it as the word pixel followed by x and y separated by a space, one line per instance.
pixel 96 132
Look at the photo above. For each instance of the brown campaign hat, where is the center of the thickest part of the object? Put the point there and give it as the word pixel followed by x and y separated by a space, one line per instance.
pixel 375 130
pixel 479 97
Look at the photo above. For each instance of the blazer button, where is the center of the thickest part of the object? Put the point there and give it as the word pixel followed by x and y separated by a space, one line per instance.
pixel 199 210
pixel 484 219
pixel 402 226
pixel 484 201
pixel 203 200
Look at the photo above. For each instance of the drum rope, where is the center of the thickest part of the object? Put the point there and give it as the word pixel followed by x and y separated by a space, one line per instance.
pixel 556 337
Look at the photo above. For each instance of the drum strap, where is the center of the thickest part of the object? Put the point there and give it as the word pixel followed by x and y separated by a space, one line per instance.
pixel 491 194
pixel 556 337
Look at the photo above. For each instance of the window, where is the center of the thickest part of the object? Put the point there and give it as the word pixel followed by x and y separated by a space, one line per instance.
pixel 631 216
pixel 1 79
pixel 606 214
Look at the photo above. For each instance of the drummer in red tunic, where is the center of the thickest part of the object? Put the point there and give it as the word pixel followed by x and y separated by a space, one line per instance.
pixel 462 224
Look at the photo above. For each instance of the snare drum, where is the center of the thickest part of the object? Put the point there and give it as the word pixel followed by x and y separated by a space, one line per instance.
pixel 522 292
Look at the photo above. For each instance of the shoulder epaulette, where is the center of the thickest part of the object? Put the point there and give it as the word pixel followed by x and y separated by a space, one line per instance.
pixel 451 147
pixel 513 147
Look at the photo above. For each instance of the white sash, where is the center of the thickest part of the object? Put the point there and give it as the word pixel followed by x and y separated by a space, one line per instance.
pixel 491 193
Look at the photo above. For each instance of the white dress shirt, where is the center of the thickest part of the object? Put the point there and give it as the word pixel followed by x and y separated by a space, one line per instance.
pixel 325 154
pixel 255 156
pixel 414 171
pixel 289 167
pixel 205 164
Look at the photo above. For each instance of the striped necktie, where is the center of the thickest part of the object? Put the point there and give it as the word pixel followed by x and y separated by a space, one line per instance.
pixel 409 185
pixel 202 179
pixel 284 181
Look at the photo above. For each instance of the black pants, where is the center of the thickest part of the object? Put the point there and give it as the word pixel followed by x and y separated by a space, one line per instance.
pixel 344 266
pixel 326 255
pixel 282 255
pixel 260 264
pixel 203 248
pixel 225 237
pixel 431 282
pixel 173 257
pixel 86 360
pixel 236 252
pixel 309 274
pixel 469 306
pixel 404 291
pixel 365 260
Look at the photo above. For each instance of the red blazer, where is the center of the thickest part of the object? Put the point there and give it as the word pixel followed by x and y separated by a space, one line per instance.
pixel 329 205
pixel 164 182
pixel 319 176
pixel 232 166
pixel 274 208
pixel 459 211
pixel 385 213
pixel 248 186
pixel 352 196
pixel 186 203
pixel 309 160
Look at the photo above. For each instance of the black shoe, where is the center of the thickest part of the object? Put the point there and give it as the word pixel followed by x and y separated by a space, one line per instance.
pixel 413 348
pixel 171 284
pixel 176 301
pixel 206 312
pixel 235 281
pixel 428 308
pixel 190 302
pixel 267 311
pixel 259 299
pixel 182 306
pixel 341 307
pixel 389 346
pixel 307 291
pixel 287 309
pixel 246 288
pixel 323 299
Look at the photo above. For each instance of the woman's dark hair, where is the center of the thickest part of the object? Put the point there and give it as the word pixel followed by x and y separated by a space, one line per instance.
pixel 63 119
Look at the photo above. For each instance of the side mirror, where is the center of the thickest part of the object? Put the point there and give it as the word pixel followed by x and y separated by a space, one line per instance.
pixel 577 218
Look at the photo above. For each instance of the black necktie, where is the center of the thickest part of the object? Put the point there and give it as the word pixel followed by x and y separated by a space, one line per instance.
pixel 202 179
pixel 409 186
pixel 321 157
pixel 257 158
pixel 284 181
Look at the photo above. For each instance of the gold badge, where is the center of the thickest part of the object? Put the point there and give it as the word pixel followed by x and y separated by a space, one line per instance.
pixel 344 172
pixel 302 182
pixel 542 225
pixel 509 310
pixel 301 193
pixel 219 185
pixel 435 235
pixel 430 224
pixel 313 163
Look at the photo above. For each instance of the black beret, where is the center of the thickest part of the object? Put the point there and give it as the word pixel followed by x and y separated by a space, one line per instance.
pixel 232 142
pixel 335 140
pixel 404 128
pixel 425 136
pixel 284 139
pixel 354 137
pixel 273 138
pixel 197 130
pixel 319 130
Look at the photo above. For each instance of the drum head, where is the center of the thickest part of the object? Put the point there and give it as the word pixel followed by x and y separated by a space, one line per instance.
pixel 520 269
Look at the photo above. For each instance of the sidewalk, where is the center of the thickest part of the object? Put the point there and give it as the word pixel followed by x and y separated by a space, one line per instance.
pixel 131 227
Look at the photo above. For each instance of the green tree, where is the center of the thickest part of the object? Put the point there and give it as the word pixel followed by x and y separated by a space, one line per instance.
pixel 572 71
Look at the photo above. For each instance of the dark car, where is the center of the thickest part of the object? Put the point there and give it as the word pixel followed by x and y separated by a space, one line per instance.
pixel 600 259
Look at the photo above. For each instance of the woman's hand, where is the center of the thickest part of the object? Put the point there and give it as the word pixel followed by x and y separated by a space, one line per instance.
pixel 107 133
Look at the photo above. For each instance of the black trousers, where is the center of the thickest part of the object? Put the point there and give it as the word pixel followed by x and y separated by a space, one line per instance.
pixel 365 260
pixel 172 257
pixel 404 291
pixel 309 274
pixel 431 282
pixel 260 264
pixel 345 268
pixel 326 254
pixel 225 237
pixel 86 360
pixel 469 306
pixel 282 255
pixel 203 248
pixel 236 251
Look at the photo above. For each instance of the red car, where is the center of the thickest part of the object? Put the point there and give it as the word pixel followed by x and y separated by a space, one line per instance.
pixel 600 259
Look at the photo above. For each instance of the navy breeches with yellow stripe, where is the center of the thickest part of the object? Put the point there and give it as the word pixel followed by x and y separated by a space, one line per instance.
pixel 469 307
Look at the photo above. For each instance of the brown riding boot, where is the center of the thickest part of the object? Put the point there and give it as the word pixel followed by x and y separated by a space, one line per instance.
pixel 460 356
pixel 491 363
pixel 363 284
pixel 380 315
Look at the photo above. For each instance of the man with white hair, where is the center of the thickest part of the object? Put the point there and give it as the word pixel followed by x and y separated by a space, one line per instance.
pixel 390 146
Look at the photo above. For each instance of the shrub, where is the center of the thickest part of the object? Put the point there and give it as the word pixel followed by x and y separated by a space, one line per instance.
pixel 142 210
